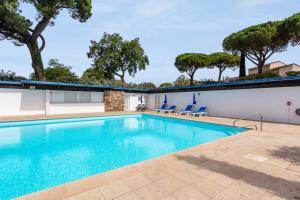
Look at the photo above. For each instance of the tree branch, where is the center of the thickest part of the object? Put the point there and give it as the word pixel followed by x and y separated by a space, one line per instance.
pixel 270 55
pixel 254 54
pixel 43 41
pixel 252 60
pixel 39 28
pixel 12 36
pixel 250 56
pixel 117 74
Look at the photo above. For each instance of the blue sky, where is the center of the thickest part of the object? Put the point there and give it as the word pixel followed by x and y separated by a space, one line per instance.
pixel 166 28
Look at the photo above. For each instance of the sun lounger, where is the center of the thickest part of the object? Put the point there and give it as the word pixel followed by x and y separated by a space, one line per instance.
pixel 169 110
pixel 200 112
pixel 186 111
pixel 163 107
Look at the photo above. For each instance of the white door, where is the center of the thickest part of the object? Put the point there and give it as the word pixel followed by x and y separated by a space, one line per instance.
pixel 127 103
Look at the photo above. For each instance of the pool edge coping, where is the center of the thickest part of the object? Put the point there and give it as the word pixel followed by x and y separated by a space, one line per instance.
pixel 92 180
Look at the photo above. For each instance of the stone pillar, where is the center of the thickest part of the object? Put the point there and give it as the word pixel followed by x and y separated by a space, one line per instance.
pixel 113 100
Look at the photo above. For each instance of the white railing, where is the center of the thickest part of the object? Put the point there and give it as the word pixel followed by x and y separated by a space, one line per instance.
pixel 254 125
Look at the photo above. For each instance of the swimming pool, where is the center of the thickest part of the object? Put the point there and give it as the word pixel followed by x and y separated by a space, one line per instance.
pixel 35 155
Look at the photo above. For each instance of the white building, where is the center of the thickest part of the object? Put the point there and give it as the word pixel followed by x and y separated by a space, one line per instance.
pixel 277 67
pixel 276 99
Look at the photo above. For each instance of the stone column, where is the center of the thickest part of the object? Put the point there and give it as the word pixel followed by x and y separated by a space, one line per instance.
pixel 113 100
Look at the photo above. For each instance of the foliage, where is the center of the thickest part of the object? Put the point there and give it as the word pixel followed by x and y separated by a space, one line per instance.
pixel 93 75
pixel 293 73
pixel 166 85
pixel 146 85
pixel 181 81
pixel 289 29
pixel 223 61
pixel 259 42
pixel 58 72
pixel 206 81
pixel 10 76
pixel 260 76
pixel 143 85
pixel 20 30
pixel 115 56
pixel 190 63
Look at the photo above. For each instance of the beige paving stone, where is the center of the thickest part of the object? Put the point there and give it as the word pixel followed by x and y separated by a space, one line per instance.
pixel 113 190
pixel 54 193
pixel 128 196
pixel 136 181
pixel 277 162
pixel 171 167
pixel 220 179
pixel 154 173
pixel 148 164
pixel 120 174
pixel 190 161
pixel 231 193
pixel 200 172
pixel 250 190
pixel 186 176
pixel 206 169
pixel 90 195
pixel 286 189
pixel 295 168
pixel 151 192
pixel 271 197
pixel 170 164
pixel 272 170
pixel 244 162
pixel 189 193
pixel 207 187
pixel 171 184
pixel 170 198
pixel 85 184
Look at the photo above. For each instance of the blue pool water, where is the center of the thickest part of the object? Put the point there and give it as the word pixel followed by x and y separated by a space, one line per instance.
pixel 35 155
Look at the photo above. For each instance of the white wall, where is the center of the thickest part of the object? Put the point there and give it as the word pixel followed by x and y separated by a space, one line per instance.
pixel 16 102
pixel 134 100
pixel 271 102
pixel 21 102
pixel 55 103
pixel 72 108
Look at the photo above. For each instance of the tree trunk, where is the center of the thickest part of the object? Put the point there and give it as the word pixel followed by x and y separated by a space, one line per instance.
pixel 220 75
pixel 37 62
pixel 192 79
pixel 123 77
pixel 260 67
pixel 243 65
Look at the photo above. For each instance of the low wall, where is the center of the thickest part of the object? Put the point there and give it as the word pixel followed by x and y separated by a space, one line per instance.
pixel 270 102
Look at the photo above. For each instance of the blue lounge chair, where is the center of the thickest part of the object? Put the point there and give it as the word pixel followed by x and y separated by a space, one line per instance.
pixel 169 110
pixel 186 111
pixel 163 107
pixel 200 112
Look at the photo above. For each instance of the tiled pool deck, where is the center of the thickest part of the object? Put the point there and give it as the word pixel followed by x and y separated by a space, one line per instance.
pixel 253 165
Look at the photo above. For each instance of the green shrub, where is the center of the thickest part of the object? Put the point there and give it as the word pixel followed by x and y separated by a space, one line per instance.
pixel 259 76
pixel 293 73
